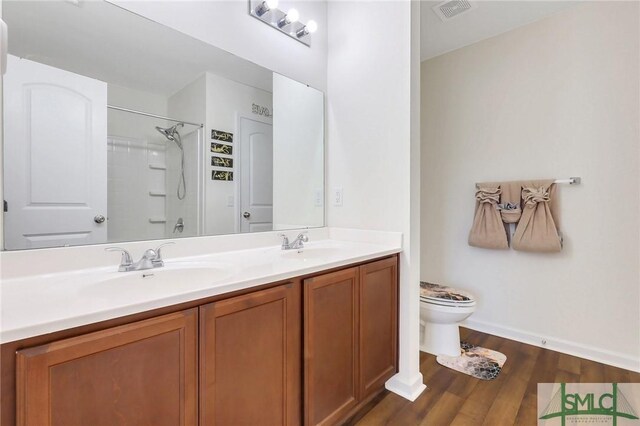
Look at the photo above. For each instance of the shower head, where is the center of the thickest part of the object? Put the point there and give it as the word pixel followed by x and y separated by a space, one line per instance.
pixel 170 132
pixel 166 132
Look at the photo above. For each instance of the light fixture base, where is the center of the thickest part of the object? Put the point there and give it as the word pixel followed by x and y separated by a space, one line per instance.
pixel 273 16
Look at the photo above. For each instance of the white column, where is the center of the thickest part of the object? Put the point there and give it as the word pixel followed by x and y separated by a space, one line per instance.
pixel 408 383
pixel 1 155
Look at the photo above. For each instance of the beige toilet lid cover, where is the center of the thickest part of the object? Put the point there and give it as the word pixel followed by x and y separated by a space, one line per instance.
pixel 437 291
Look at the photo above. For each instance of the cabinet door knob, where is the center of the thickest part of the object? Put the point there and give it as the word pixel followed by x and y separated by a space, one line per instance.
pixel 99 218
pixel 246 215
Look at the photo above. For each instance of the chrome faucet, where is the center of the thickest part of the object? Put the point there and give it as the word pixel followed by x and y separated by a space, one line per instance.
pixel 150 259
pixel 297 244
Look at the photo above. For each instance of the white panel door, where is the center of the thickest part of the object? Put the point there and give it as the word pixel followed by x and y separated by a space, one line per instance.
pixel 55 157
pixel 256 176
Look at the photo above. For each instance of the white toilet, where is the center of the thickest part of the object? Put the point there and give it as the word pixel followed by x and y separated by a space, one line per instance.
pixel 441 310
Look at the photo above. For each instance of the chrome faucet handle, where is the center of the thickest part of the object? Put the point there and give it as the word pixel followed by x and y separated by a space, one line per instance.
pixel 158 257
pixel 159 252
pixel 126 259
pixel 303 236
pixel 285 241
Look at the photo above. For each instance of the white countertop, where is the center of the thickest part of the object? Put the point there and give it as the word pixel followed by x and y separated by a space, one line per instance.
pixel 33 305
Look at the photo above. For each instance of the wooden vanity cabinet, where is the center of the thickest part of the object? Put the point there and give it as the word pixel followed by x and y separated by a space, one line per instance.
pixel 350 339
pixel 143 373
pixel 227 360
pixel 250 359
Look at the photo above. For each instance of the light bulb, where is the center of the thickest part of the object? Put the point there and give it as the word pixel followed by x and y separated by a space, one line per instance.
pixel 265 6
pixel 290 17
pixel 293 15
pixel 312 26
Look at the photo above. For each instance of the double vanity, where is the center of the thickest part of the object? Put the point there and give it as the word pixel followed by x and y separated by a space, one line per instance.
pixel 251 335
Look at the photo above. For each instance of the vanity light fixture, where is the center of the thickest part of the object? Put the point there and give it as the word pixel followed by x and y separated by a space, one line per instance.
pixel 287 23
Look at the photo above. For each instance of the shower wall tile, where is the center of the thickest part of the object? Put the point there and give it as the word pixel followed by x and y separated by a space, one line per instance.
pixel 128 185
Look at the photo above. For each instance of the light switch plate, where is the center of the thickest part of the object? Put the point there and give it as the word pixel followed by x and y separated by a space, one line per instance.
pixel 337 197
pixel 318 198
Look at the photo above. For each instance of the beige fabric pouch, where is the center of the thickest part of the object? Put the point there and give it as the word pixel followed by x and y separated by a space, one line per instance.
pixel 488 230
pixel 536 230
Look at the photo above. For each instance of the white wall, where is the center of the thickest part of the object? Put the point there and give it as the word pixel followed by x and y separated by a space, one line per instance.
pixel 140 100
pixel 298 149
pixel 370 142
pixel 1 160
pixel 190 102
pixel 554 99
pixel 228 25
pixel 227 101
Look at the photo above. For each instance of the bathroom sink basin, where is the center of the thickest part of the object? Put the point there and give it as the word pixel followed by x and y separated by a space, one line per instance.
pixel 310 253
pixel 172 276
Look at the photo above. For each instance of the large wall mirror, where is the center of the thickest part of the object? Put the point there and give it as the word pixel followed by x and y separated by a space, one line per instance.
pixel 117 128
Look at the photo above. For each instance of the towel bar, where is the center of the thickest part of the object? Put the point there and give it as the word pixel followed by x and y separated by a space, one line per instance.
pixel 570 181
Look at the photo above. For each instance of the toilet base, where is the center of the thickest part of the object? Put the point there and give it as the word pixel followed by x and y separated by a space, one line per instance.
pixel 441 339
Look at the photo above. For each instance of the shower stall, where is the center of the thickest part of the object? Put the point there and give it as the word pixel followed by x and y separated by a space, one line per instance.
pixel 155 176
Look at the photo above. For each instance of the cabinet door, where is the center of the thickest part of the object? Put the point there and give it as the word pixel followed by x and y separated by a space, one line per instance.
pixel 143 373
pixel 378 322
pixel 250 359
pixel 330 346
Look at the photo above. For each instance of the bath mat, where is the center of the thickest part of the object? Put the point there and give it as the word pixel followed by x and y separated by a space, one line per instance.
pixel 481 363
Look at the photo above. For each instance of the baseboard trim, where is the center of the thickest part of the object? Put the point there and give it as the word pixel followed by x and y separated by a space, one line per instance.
pixel 603 356
pixel 410 390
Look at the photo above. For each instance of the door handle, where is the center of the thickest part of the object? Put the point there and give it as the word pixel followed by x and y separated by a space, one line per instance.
pixel 246 215
pixel 99 218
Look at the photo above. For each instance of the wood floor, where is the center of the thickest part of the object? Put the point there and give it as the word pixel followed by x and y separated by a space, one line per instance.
pixel 454 398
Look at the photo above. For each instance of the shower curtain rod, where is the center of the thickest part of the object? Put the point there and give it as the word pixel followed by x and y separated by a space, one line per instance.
pixel 153 115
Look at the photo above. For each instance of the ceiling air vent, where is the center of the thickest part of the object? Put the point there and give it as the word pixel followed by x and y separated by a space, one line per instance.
pixel 450 9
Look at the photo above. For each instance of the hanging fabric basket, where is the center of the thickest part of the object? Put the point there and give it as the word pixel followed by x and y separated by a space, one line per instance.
pixel 537 229
pixel 488 230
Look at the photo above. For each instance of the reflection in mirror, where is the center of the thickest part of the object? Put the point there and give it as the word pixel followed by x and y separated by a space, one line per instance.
pixel 117 128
